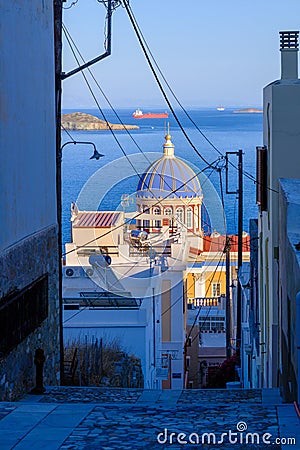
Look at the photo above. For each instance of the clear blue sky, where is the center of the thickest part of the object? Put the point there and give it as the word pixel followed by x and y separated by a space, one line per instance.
pixel 211 52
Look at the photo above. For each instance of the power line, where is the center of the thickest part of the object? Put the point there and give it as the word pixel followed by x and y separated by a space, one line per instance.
pixel 70 42
pixel 118 117
pixel 137 215
pixel 160 85
pixel 145 46
pixel 197 315
pixel 71 5
pixel 71 137
pixel 93 303
pixel 210 165
pixel 207 315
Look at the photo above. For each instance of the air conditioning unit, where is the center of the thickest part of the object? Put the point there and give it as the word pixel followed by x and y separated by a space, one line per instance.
pixel 89 272
pixel 72 272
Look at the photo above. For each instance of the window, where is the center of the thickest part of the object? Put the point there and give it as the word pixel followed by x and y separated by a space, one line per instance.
pixel 21 313
pixel 216 289
pixel 179 212
pixel 189 217
pixel 212 323
pixel 168 211
pixel 204 323
pixel 157 223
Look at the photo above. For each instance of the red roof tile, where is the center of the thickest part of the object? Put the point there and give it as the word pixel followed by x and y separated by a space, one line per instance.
pixel 217 244
pixel 96 219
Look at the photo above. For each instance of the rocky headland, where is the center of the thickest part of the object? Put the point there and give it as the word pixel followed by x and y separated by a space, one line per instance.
pixel 247 111
pixel 83 121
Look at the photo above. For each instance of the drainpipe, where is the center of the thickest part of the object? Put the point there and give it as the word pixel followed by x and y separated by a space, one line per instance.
pixel 58 66
pixel 298 343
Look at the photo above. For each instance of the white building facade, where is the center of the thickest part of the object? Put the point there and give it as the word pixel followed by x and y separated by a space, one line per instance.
pixel 29 235
pixel 278 158
pixel 147 273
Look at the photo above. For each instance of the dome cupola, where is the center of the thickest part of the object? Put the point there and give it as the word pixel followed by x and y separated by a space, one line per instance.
pixel 168 174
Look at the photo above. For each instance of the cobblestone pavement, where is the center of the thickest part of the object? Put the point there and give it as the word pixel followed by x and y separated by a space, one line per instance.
pixel 90 394
pixel 109 419
pixel 138 427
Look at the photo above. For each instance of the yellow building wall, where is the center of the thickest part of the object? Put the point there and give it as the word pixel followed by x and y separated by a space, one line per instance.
pixel 190 286
pixel 215 277
pixel 210 278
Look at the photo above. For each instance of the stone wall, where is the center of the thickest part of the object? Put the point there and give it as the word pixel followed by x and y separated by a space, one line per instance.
pixel 21 265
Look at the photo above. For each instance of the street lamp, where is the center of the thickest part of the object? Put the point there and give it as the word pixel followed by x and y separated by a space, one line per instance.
pixel 96 154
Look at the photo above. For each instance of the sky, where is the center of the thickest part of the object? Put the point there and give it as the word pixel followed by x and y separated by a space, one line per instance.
pixel 211 52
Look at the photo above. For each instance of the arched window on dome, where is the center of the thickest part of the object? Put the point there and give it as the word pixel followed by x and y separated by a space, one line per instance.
pixel 179 215
pixel 189 218
pixel 157 223
pixel 146 223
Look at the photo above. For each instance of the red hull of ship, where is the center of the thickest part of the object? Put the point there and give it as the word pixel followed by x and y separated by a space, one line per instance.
pixel 151 116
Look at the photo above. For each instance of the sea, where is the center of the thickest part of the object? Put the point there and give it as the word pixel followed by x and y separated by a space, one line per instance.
pixel 110 182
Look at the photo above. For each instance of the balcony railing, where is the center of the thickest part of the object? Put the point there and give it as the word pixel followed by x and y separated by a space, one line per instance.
pixel 198 302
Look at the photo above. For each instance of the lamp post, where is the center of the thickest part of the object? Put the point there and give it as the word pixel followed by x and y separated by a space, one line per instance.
pixel 96 154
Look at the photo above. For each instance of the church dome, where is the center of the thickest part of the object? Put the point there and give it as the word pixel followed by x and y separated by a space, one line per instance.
pixel 167 174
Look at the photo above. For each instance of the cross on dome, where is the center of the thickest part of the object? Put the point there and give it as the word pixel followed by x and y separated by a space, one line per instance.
pixel 168 145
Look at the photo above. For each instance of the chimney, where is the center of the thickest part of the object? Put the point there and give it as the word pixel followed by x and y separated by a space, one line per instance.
pixel 289 54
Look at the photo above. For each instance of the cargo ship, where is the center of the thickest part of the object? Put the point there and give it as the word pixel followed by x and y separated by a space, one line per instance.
pixel 138 114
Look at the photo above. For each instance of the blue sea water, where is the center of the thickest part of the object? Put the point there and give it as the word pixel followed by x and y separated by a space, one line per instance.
pixel 226 130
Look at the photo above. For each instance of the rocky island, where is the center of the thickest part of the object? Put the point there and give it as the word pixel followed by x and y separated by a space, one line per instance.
pixel 248 110
pixel 83 121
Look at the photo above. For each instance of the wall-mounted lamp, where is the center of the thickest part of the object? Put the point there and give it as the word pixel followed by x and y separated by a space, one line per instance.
pixel 96 154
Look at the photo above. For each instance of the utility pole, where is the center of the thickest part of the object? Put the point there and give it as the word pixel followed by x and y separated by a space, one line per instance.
pixel 238 192
pixel 59 76
pixel 228 312
pixel 58 67
pixel 240 256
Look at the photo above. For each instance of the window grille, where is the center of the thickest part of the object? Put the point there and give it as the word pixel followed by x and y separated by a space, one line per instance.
pixel 21 313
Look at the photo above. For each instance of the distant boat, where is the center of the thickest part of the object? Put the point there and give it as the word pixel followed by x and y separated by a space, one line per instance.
pixel 138 114
pixel 220 108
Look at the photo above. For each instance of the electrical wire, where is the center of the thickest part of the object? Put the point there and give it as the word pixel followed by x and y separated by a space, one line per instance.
pixel 209 309
pixel 219 170
pixel 68 37
pixel 161 86
pixel 70 42
pixel 176 118
pixel 71 137
pixel 145 46
pixel 118 117
pixel 71 5
pixel 92 304
pixel 137 215
pixel 198 313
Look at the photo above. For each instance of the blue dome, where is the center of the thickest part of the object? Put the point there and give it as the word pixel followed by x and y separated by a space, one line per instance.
pixel 169 174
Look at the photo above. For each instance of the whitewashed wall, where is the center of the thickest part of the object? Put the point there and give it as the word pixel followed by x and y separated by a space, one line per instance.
pixel 27 119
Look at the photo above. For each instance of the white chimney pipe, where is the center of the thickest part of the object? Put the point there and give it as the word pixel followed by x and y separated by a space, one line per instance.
pixel 289 54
